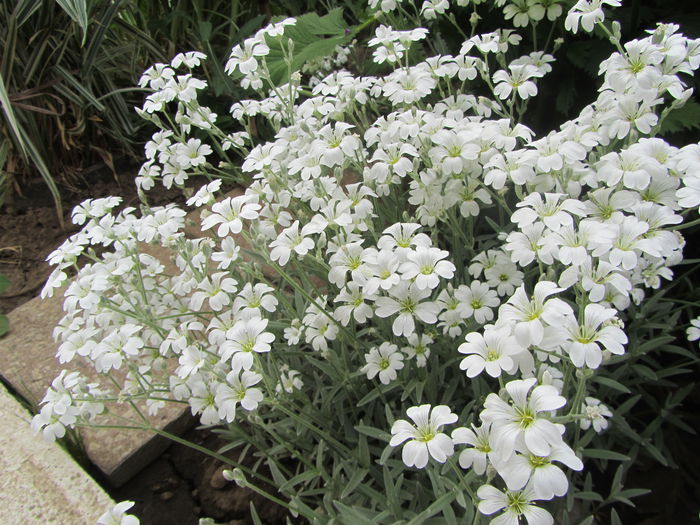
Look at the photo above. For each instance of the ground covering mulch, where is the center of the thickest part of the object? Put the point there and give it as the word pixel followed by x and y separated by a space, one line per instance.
pixel 184 485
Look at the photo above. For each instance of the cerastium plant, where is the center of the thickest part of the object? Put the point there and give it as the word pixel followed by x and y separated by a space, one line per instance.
pixel 411 313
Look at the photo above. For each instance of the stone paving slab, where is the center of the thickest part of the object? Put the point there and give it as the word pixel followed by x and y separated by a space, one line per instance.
pixel 28 362
pixel 40 482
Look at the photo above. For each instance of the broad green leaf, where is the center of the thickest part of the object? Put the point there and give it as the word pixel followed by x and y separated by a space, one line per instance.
pixel 312 37
pixel 683 118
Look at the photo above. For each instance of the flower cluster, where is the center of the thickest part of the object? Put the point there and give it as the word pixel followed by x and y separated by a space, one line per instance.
pixel 397 231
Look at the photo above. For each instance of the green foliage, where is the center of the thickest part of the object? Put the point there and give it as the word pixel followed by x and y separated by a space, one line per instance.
pixel 312 37
pixel 62 90
pixel 685 118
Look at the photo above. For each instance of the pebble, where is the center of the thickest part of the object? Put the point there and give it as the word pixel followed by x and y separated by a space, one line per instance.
pixel 217 480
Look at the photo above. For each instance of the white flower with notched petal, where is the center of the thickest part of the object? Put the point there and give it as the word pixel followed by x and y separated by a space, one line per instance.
pixel 425 437
pixel 384 361
pixel 243 340
pixel 585 339
pixel 693 331
pixel 480 453
pixel 418 347
pixel 406 301
pixel 237 389
pixel 425 266
pixel 546 479
pixel 476 300
pixel 491 351
pixel 514 504
pixel 228 214
pixel 595 413
pixel 521 418
pixel 528 313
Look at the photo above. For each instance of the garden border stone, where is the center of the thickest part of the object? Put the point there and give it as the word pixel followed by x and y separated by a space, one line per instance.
pixel 40 482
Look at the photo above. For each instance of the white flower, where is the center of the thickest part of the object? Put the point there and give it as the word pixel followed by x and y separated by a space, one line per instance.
pixel 585 338
pixel 546 479
pixel 629 239
pixel 454 150
pixel 190 59
pixel 244 59
pixel 480 453
pixel 385 361
pixel 228 214
pixel 553 213
pixel 401 237
pixel 595 413
pixel 517 81
pixel 246 337
pixel 252 298
pixel 528 313
pixel 425 437
pixel 217 290
pixel 521 418
pixel 418 347
pixel 492 352
pixel 515 503
pixel 205 194
pixel 290 380
pixel 693 330
pixel 354 298
pixel 192 154
pixel 291 239
pixel 504 277
pixel 228 254
pixel 476 300
pixel 587 13
pixel 117 515
pixel 425 267
pixel 406 301
pixel 237 389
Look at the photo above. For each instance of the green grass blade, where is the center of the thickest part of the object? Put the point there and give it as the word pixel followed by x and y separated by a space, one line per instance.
pixel 10 118
pixel 77 10
pixel 38 161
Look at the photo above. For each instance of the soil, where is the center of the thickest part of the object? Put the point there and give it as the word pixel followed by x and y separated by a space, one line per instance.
pixel 184 485
pixel 30 228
